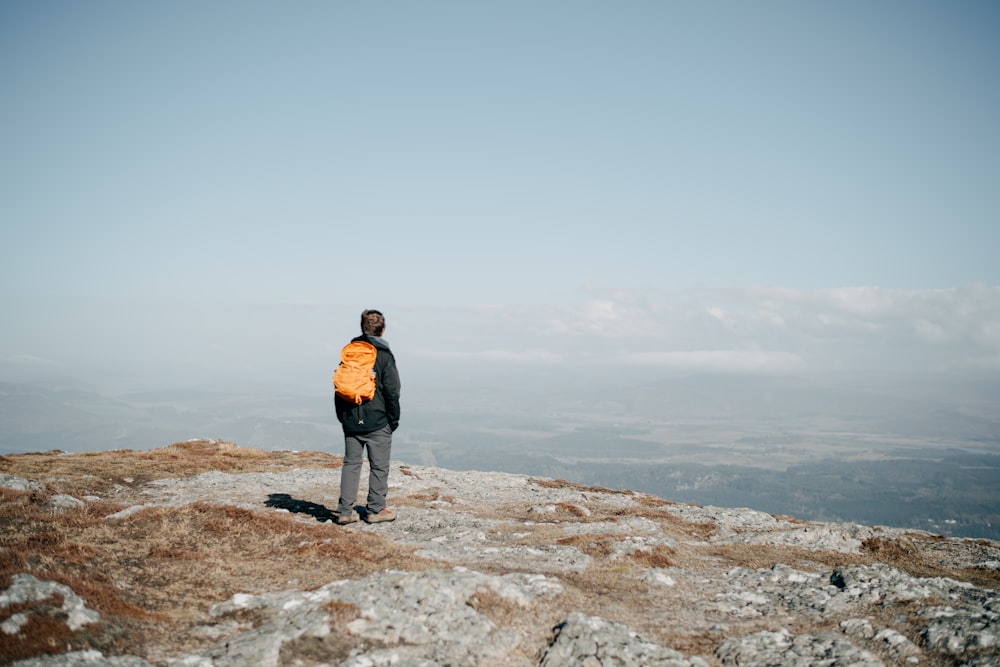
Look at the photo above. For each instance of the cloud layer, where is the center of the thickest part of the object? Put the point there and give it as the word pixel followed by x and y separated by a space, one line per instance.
pixel 735 330
pixel 731 330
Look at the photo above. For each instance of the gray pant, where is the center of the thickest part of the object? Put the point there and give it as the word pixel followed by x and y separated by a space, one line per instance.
pixel 379 444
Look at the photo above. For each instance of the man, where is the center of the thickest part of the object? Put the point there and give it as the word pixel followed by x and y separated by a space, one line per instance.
pixel 370 424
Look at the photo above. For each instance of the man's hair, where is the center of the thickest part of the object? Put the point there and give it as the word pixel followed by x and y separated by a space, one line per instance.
pixel 372 323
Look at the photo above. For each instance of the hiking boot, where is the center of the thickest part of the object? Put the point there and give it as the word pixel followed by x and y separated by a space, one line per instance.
pixel 384 515
pixel 343 519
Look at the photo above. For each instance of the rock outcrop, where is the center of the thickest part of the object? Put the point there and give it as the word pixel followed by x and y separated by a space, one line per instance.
pixel 514 570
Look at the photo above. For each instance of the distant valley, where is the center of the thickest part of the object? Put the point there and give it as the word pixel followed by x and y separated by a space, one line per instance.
pixel 835 452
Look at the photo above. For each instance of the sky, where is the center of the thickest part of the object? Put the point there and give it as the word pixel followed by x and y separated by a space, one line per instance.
pixel 216 190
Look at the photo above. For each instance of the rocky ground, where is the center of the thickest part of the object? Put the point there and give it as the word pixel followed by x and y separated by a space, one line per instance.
pixel 505 569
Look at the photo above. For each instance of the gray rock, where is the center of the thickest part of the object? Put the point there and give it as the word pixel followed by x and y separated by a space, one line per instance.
pixel 960 631
pixel 873 584
pixel 26 589
pixel 782 649
pixel 585 641
pixel 423 617
pixel 19 483
pixel 62 502
pixel 83 659
pixel 658 577
pixel 899 645
pixel 459 537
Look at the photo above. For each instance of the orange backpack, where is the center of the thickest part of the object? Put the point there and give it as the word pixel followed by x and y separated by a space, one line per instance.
pixel 354 379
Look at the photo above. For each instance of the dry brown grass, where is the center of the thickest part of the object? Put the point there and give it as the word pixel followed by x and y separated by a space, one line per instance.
pixel 154 574
pixel 919 556
pixel 594 545
pixel 579 513
pixel 429 496
pixel 610 589
pixel 658 556
pixel 764 556
pixel 889 550
pixel 501 611
pixel 98 472
pixel 670 523
pixel 646 507
pixel 563 484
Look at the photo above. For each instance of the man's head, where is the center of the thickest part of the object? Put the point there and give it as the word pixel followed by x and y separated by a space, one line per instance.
pixel 372 323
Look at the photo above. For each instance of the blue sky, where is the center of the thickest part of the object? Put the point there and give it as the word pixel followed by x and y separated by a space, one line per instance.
pixel 223 186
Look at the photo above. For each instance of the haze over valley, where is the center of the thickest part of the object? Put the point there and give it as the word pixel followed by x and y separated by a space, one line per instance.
pixel 876 449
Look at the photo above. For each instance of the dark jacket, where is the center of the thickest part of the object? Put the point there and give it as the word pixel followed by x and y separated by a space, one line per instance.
pixel 381 411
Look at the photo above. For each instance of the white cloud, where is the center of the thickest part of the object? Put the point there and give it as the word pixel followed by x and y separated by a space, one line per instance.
pixel 26 360
pixel 860 301
pixel 739 330
pixel 732 361
pixel 529 356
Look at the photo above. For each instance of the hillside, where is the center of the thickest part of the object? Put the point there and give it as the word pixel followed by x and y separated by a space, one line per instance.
pixel 208 554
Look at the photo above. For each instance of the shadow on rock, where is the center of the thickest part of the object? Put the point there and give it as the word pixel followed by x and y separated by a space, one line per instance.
pixel 286 502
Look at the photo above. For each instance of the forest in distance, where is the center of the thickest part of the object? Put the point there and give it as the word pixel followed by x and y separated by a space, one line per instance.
pixel 816 452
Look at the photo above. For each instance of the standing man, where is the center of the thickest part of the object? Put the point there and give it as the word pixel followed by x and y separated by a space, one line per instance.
pixel 370 424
